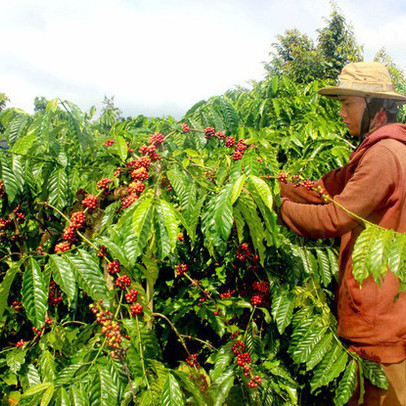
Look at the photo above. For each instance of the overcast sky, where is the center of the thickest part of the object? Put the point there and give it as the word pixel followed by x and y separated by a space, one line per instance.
pixel 159 57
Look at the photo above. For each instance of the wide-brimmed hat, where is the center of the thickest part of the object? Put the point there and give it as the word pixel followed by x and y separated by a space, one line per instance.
pixel 364 79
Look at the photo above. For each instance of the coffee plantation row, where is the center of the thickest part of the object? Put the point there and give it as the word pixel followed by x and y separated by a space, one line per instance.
pixel 143 262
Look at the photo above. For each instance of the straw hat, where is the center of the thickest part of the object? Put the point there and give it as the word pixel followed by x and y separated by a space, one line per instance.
pixel 364 79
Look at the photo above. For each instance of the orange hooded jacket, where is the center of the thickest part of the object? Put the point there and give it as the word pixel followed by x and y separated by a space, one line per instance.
pixel 373 186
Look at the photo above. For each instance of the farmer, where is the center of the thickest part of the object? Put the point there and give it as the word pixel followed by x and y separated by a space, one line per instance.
pixel 371 185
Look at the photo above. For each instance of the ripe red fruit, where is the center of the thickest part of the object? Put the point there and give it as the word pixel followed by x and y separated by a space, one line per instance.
pixel 78 219
pixel 220 134
pixel 140 174
pixel 17 306
pixel 192 360
pixel 136 309
pixel 131 296
pixel 156 139
pixel 20 343
pixel 2 192
pixel 230 141
pixel 123 281
pixel 185 128
pixel 102 251
pixel 136 187
pixel 143 149
pixel 241 146
pixel 282 177
pixel 181 269
pixel 129 200
pixel 113 267
pixel 237 155
pixel 109 142
pixel 62 247
pixel 179 237
pixel 257 300
pixel 104 183
pixel 209 132
pixel 90 201
pixel 69 234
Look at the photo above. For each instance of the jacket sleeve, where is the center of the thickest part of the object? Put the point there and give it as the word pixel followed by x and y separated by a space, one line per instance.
pixel 370 188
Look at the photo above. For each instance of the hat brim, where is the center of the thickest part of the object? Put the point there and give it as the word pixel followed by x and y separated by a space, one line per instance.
pixel 334 91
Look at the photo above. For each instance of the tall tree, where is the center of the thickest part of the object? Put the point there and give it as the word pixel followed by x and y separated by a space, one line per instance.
pixel 337 44
pixel 301 60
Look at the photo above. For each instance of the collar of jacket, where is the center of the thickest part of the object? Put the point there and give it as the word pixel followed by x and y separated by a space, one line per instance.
pixel 394 131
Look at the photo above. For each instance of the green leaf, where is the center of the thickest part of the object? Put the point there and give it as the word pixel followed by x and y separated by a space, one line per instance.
pixel 375 374
pixel 33 390
pixel 22 145
pixel 371 252
pixel 282 309
pixel 34 294
pixel 347 384
pixel 192 387
pixel 52 105
pixel 223 213
pixel 103 391
pixel 10 180
pixel 171 394
pixel 319 351
pixel 64 275
pixel 223 359
pixel 142 217
pixel 64 400
pixel 15 358
pixel 237 187
pixel 88 274
pixel 58 188
pixel 168 228
pixel 220 389
pixel 302 352
pixel 397 256
pixel 263 190
pixel 122 147
pixel 324 269
pixel 47 396
pixel 78 395
pixel 6 285
pixel 47 366
pixel 331 366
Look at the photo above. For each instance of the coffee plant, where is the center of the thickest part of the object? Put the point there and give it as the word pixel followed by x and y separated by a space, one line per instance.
pixel 143 263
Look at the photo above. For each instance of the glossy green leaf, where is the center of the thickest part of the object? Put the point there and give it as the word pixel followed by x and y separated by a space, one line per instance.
pixel 171 393
pixel 34 293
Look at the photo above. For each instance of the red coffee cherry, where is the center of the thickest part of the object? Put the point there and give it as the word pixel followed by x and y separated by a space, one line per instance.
pixel 90 201
pixel 136 309
pixel 113 267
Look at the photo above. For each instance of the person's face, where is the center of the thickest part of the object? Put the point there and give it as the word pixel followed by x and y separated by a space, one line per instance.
pixel 352 109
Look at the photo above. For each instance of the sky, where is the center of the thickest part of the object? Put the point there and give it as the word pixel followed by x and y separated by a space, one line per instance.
pixel 159 57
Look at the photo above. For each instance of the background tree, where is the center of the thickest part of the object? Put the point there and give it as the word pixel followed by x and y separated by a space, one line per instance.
pixel 296 55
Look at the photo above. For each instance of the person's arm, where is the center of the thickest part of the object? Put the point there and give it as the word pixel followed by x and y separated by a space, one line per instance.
pixel 373 181
pixel 332 183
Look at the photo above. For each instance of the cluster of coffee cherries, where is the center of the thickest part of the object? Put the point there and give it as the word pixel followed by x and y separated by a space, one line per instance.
pixel 244 360
pixel 193 361
pixel 40 331
pixel 109 142
pixel 7 231
pixel 260 296
pixel 111 329
pixel 17 306
pixel 243 252
pixel 69 235
pixel 181 269
pixel 54 294
pixel 124 282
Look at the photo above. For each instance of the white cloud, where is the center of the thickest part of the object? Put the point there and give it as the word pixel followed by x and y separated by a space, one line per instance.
pixel 159 57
